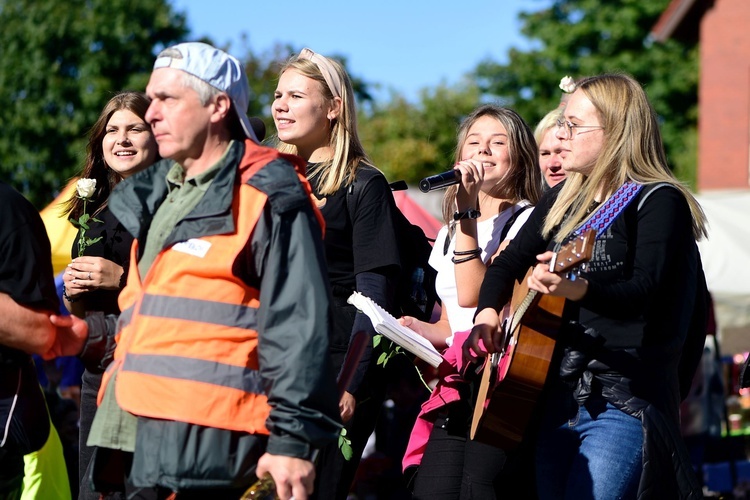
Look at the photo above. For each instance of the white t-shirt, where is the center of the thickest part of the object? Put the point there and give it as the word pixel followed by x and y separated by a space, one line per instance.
pixel 488 236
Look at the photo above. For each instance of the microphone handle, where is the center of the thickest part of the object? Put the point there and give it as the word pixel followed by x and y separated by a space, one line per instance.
pixel 439 181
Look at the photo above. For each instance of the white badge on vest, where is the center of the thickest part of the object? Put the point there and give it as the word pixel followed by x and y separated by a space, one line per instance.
pixel 193 246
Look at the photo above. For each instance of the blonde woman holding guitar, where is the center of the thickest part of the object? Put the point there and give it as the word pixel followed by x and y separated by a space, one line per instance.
pixel 609 426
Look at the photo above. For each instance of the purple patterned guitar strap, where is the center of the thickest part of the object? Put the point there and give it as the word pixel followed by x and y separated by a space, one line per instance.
pixel 608 212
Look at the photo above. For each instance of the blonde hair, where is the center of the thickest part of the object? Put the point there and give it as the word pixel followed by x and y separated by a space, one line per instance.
pixel 632 151
pixel 547 122
pixel 523 181
pixel 348 152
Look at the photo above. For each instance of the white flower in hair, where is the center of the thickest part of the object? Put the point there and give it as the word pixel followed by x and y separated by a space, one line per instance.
pixel 567 84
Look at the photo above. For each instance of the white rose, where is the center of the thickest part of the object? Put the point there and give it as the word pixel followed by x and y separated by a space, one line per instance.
pixel 567 84
pixel 86 188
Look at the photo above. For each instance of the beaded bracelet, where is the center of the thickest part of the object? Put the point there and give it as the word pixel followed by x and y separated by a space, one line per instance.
pixel 68 297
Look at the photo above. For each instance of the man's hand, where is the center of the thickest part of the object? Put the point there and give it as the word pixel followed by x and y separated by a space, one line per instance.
pixel 293 476
pixel 71 334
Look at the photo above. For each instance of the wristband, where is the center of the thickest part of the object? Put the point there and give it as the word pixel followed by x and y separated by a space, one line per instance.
pixel 468 214
pixel 464 259
pixel 68 297
pixel 467 252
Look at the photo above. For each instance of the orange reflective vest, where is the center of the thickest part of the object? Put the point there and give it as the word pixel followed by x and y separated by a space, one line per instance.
pixel 188 341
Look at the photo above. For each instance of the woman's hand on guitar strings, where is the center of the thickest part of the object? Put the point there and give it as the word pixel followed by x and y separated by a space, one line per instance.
pixel 487 331
pixel 544 281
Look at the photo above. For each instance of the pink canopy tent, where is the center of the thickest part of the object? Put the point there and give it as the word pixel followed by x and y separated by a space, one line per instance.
pixel 417 214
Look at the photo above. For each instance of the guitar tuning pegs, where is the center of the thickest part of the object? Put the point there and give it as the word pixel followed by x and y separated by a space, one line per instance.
pixel 575 273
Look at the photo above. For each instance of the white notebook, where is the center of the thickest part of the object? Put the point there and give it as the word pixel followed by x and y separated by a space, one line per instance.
pixel 388 326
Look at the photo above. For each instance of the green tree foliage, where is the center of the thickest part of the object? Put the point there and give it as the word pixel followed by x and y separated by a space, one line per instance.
pixel 263 75
pixel 262 71
pixel 409 142
pixel 587 37
pixel 404 140
pixel 59 64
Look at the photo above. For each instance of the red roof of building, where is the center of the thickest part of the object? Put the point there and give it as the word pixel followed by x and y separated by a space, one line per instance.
pixel 681 20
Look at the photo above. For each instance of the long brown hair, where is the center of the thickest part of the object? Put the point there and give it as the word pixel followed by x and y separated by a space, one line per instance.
pixel 523 181
pixel 95 167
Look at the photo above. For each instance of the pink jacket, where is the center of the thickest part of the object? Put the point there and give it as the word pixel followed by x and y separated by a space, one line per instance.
pixel 446 391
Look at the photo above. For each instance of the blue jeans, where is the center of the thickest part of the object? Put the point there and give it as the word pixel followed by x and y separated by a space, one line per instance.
pixel 589 452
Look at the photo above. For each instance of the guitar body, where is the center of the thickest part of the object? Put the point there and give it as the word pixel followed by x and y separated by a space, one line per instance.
pixel 513 378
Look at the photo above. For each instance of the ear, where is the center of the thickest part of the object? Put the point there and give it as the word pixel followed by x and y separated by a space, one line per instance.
pixel 335 109
pixel 220 107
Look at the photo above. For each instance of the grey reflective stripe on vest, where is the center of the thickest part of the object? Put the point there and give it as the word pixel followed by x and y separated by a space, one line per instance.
pixel 124 319
pixel 203 311
pixel 199 370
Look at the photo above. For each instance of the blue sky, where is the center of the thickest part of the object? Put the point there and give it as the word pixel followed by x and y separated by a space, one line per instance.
pixel 402 45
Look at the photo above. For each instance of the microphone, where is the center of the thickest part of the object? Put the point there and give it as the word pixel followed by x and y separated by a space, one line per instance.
pixel 438 181
pixel 259 128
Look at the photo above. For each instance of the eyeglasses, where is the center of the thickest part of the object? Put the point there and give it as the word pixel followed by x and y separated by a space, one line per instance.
pixel 569 127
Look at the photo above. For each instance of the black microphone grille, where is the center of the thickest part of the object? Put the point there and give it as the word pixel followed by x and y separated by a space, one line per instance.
pixel 440 180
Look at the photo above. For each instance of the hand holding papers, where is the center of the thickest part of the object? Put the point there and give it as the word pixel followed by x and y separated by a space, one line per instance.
pixel 388 326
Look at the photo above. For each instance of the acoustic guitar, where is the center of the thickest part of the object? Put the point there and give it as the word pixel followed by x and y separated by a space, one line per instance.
pixel 513 377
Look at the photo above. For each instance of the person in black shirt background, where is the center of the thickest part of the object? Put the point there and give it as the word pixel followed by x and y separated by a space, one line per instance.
pixel 610 423
pixel 315 118
pixel 27 300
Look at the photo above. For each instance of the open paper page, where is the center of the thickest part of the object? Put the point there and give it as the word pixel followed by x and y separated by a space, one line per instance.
pixel 388 326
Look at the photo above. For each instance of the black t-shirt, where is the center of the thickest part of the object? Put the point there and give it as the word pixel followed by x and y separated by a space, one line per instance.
pixel 25 257
pixel 114 246
pixel 644 282
pixel 360 243
pixel 642 275
pixel 369 241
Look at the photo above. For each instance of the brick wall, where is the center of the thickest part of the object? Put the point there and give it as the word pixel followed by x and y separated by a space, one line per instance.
pixel 724 97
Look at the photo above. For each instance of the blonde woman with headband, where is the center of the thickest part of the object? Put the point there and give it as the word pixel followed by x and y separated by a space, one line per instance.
pixel 609 421
pixel 315 117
